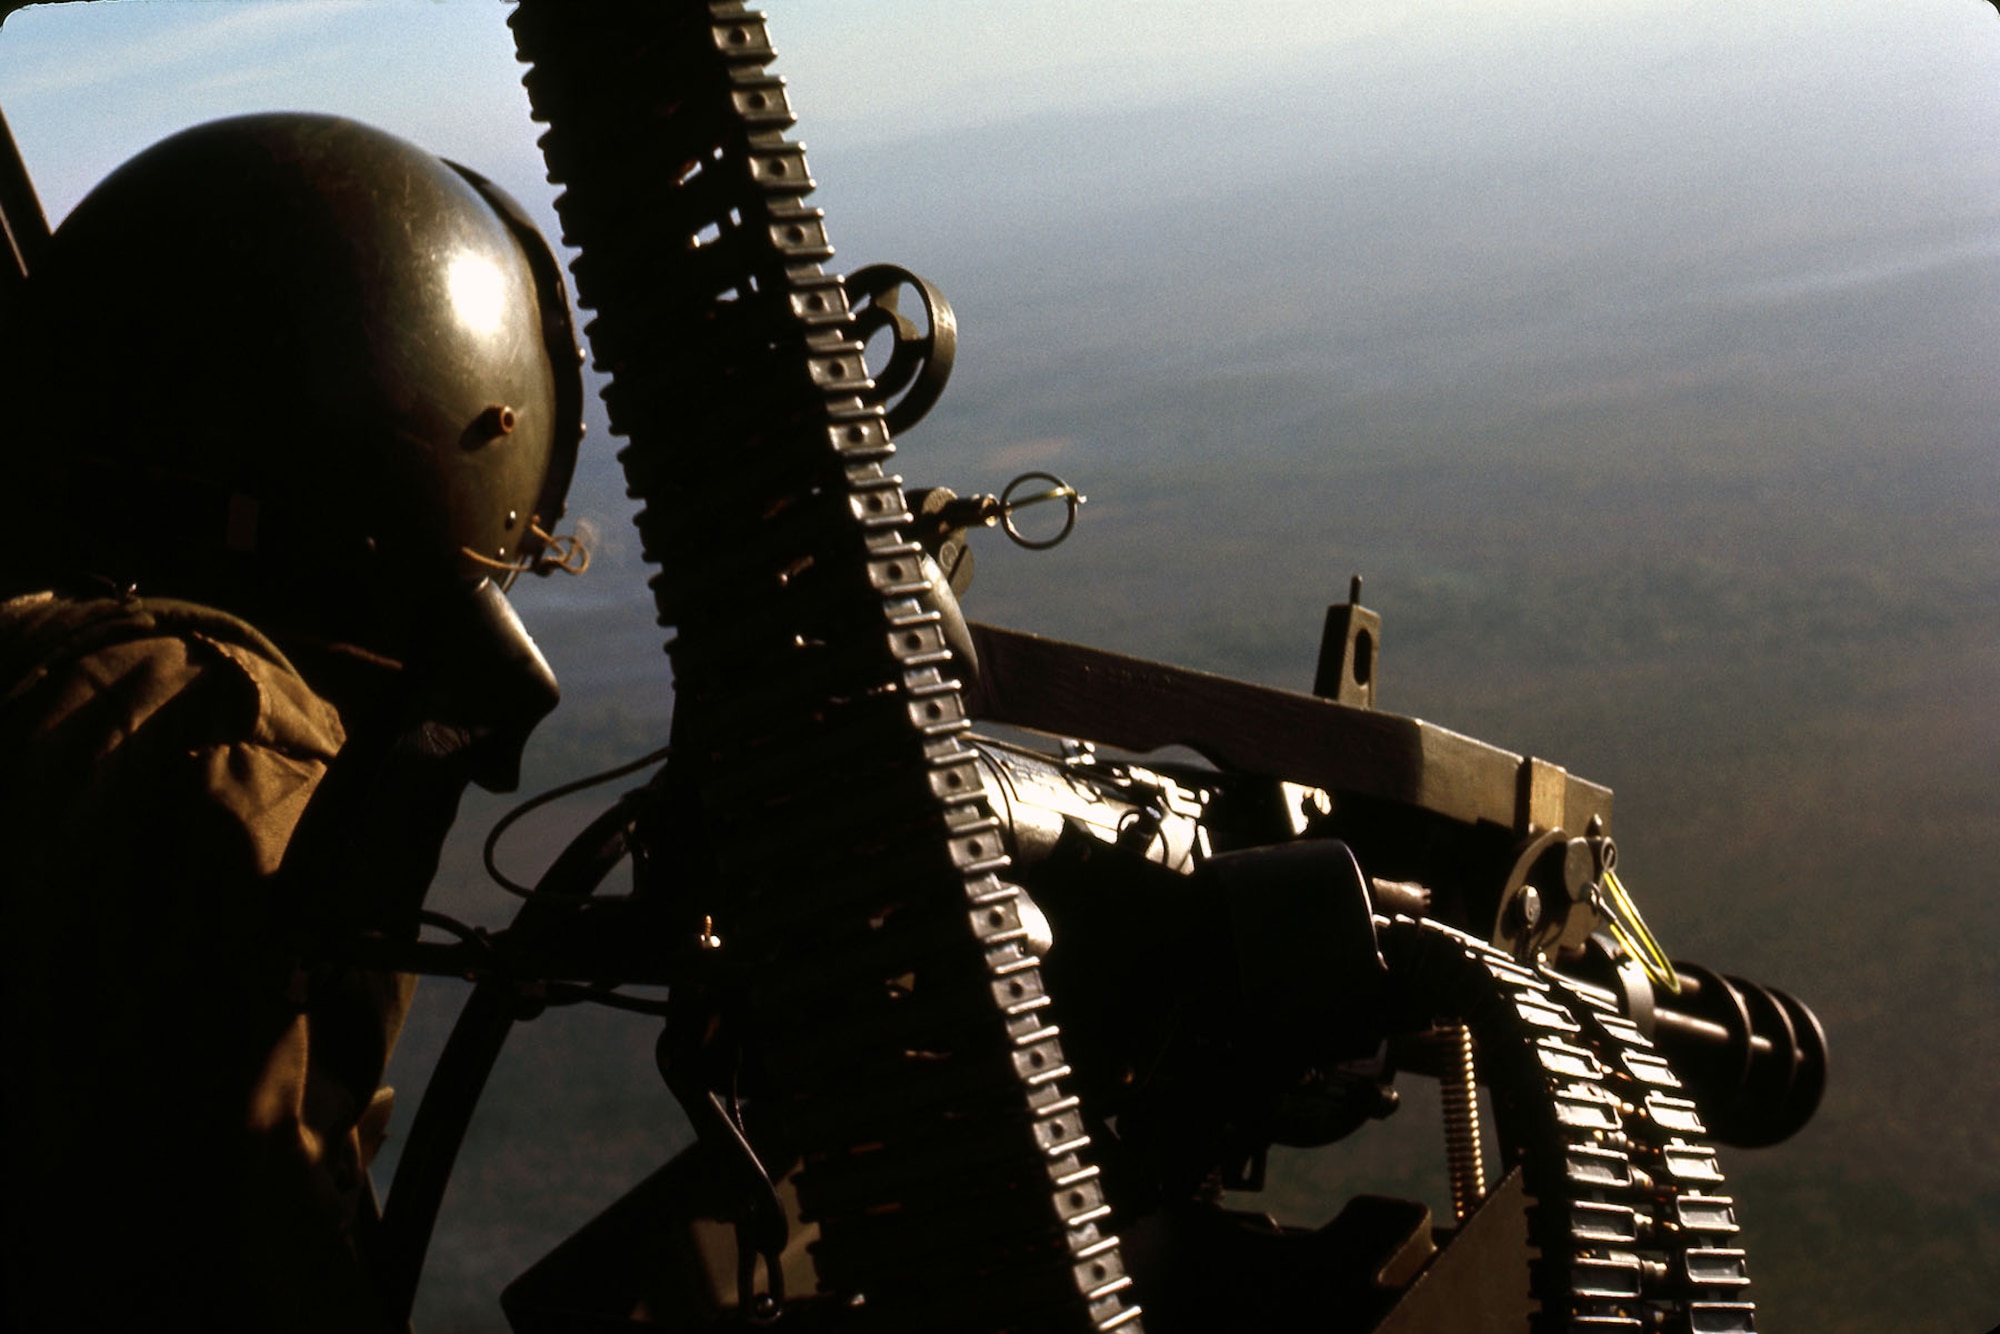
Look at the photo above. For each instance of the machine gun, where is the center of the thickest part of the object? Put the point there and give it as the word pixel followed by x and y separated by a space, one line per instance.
pixel 847 892
pixel 871 920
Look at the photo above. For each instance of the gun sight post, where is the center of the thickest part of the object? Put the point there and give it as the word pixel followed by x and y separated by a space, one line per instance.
pixel 1348 649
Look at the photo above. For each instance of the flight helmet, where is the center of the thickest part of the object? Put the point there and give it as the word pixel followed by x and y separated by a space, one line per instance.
pixel 306 371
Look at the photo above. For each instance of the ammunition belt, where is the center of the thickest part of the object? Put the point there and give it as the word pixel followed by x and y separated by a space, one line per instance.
pixel 1626 1214
pixel 828 816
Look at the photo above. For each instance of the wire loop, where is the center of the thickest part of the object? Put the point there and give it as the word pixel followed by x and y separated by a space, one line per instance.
pixel 1057 489
pixel 559 551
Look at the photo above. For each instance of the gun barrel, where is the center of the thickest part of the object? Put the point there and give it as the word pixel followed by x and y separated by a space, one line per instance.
pixel 1754 1057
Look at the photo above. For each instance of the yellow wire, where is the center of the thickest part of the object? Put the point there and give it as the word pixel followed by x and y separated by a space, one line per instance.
pixel 1630 931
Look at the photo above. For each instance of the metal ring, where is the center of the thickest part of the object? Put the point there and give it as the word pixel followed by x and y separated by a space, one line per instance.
pixel 1058 490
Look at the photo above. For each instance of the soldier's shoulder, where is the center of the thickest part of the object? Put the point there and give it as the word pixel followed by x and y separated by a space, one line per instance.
pixel 125 659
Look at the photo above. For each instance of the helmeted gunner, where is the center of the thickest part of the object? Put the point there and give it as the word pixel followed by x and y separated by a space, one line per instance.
pixel 292 396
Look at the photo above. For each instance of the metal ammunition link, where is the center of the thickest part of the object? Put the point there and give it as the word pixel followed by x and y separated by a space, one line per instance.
pixel 854 865
pixel 1626 1214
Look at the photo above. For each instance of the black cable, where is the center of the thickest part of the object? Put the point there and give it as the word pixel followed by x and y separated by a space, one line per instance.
pixel 451 926
pixel 568 993
pixel 535 803
pixel 473 937
pixel 431 1146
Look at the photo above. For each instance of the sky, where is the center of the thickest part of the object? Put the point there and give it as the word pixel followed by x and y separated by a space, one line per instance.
pixel 1458 189
pixel 1828 114
pixel 86 84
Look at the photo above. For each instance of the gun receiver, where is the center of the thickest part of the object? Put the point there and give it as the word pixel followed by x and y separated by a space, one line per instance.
pixel 1756 1056
pixel 1070 690
pixel 1234 899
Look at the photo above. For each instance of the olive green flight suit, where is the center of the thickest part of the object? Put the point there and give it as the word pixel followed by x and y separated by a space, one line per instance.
pixel 185 1105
